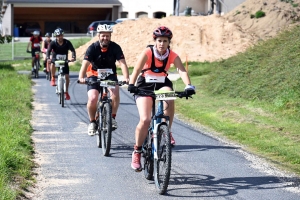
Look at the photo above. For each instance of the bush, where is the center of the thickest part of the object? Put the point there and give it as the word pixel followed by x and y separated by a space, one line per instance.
pixel 8 39
pixel 260 14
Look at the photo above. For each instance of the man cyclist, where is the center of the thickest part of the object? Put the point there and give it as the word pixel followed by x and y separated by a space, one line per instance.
pixel 102 54
pixel 35 44
pixel 45 45
pixel 154 62
pixel 60 48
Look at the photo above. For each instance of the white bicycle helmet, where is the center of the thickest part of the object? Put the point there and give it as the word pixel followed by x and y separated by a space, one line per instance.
pixel 58 31
pixel 104 28
pixel 36 33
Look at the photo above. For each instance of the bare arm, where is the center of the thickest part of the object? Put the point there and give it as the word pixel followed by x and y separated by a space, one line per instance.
pixel 82 72
pixel 43 46
pixel 29 44
pixel 138 67
pixel 124 68
pixel 182 72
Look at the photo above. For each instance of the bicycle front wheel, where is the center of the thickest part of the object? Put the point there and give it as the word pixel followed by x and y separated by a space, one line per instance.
pixel 98 133
pixel 62 94
pixel 106 128
pixel 162 165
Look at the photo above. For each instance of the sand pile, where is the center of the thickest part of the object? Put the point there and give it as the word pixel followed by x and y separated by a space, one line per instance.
pixel 207 38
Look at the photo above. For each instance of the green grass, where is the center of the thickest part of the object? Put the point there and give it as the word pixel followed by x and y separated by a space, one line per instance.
pixel 15 130
pixel 253 99
pixel 20 48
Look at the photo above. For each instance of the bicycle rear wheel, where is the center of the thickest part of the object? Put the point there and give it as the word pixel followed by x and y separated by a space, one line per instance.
pixel 147 157
pixel 106 129
pixel 162 166
pixel 62 94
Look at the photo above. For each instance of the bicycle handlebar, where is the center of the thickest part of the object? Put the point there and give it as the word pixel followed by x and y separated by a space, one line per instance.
pixel 92 82
pixel 179 94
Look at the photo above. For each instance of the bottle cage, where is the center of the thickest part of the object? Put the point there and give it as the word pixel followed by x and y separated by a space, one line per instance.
pixel 153 67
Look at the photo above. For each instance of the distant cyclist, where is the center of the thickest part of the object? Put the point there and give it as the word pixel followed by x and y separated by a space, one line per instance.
pixel 35 44
pixel 45 46
pixel 153 63
pixel 101 55
pixel 60 48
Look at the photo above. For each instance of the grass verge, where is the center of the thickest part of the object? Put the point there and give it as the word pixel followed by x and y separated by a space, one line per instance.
pixel 15 130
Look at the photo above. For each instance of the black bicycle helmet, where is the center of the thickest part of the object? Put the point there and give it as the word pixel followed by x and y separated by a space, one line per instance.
pixel 58 31
pixel 162 31
pixel 48 34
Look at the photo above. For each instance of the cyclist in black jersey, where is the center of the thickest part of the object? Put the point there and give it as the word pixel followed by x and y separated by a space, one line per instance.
pixel 60 48
pixel 45 45
pixel 102 54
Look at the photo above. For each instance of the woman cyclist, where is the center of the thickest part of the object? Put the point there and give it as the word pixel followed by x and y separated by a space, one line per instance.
pixel 45 46
pixel 35 44
pixel 154 62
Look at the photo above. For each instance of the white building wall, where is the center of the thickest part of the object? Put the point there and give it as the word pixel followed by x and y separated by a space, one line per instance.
pixel 198 6
pixel 7 21
pixel 231 4
pixel 149 6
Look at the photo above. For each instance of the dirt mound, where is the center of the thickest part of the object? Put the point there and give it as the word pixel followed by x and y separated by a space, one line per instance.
pixel 206 38
pixel 279 15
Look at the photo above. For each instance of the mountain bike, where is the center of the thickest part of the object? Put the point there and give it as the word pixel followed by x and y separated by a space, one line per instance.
pixel 61 81
pixel 104 110
pixel 157 148
pixel 37 65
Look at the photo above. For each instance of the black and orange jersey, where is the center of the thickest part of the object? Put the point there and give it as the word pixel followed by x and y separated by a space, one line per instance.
pixel 101 58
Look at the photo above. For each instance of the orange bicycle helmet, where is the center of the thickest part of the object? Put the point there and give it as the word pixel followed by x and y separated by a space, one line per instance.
pixel 162 31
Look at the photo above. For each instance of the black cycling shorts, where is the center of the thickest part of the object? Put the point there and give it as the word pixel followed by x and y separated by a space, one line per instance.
pixel 112 77
pixel 34 50
pixel 66 69
pixel 141 84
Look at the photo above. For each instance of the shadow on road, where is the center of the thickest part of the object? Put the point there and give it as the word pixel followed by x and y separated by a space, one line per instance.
pixel 208 186
pixel 189 148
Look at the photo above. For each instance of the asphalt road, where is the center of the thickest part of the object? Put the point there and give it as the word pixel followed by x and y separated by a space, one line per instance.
pixel 203 167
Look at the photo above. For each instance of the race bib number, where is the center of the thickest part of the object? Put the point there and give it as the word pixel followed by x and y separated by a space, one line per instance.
pixel 165 95
pixel 61 57
pixel 36 45
pixel 103 73
pixel 149 78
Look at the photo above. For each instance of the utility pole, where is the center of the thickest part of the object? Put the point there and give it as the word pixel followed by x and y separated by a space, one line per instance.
pixel 177 8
